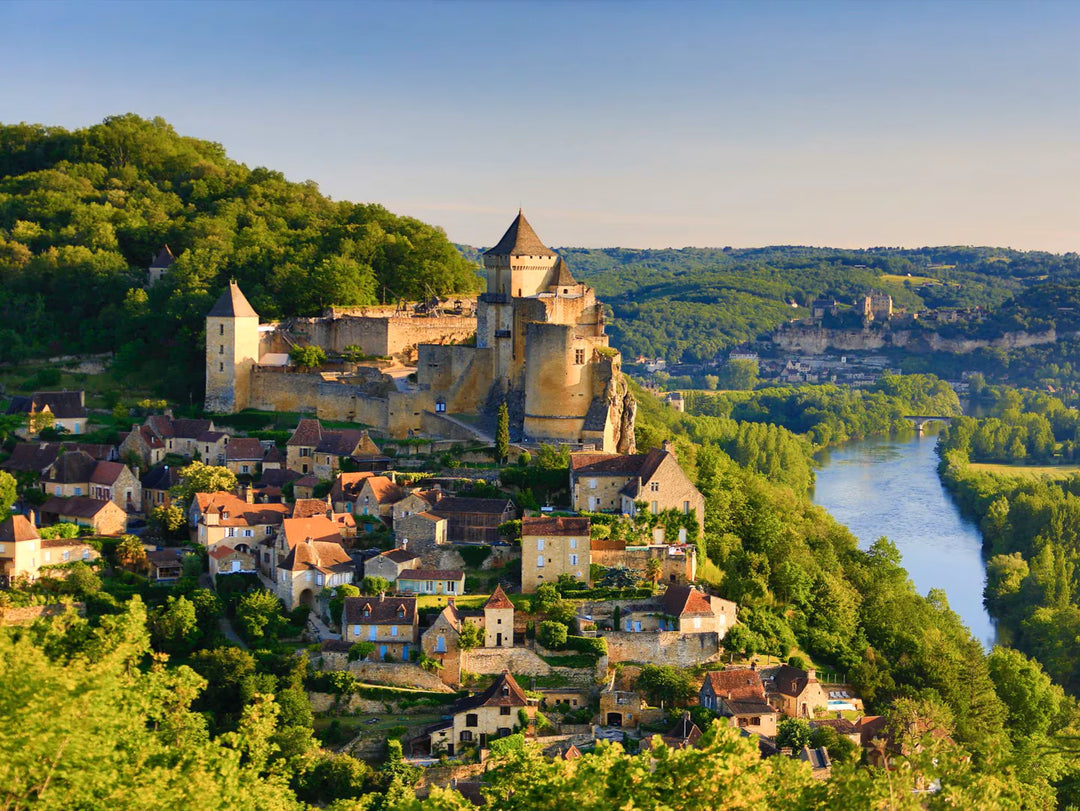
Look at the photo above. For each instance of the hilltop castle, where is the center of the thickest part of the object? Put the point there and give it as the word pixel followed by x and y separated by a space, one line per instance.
pixel 540 346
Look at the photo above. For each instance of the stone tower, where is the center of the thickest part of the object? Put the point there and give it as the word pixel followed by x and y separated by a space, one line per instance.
pixel 232 351
pixel 498 620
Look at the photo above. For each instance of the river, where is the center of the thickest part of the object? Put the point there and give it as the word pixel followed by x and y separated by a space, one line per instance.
pixel 890 487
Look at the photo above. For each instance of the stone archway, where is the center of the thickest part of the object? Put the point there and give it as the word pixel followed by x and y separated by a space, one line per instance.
pixel 307 598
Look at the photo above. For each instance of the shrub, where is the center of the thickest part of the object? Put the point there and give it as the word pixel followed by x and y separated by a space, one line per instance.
pixel 552 635
pixel 361 651
pixel 586 644
pixel 500 747
pixel 474 556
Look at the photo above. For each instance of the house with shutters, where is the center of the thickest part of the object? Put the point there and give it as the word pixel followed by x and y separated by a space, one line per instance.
pixel 552 547
pixel 310 567
pixel 33 459
pixel 440 642
pixel 608 482
pixel 143 444
pixel 244 456
pixel 739 694
pixel 431 581
pixel 23 553
pixel 156 484
pixel 388 565
pixel 223 516
pixel 227 558
pixel 478 719
pixel 796 692
pixel 389 622
pixel 77 473
pixel 185 437
pixel 116 482
pixel 63 410
pixel 102 517
pixel 313 449
pixel 346 489
pixel 377 497
pixel 295 531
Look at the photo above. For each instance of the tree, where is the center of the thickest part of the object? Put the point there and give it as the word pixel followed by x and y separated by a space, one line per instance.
pixel 174 626
pixel 308 357
pixel 1032 699
pixel 552 635
pixel 666 685
pixel 653 569
pixel 8 488
pixel 502 434
pixel 793 733
pixel 168 519
pixel 361 650
pixel 259 615
pixel 337 601
pixel 130 553
pixel 472 636
pixel 373 585
pixel 202 478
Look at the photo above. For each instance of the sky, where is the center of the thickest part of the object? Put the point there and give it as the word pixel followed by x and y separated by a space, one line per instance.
pixel 630 124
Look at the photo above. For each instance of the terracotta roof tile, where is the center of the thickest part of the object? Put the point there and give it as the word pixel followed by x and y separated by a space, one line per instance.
pixel 318 528
pixel 17 528
pixel 244 449
pixel 498 599
pixel 107 472
pixel 740 683
pixel 308 434
pixel 309 507
pixel 77 506
pixel 687 601
pixel 504 692
pixel 324 556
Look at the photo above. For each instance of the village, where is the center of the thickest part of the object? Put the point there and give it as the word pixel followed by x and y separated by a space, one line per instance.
pixel 452 588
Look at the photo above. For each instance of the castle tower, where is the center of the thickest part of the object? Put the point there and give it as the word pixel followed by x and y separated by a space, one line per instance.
pixel 232 350
pixel 498 620
pixel 517 267
pixel 159 266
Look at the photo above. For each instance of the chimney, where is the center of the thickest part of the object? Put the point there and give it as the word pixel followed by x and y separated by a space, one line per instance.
pixel 668 446
pixel 30 516
pixel 382 596
pixel 309 540
pixel 811 675
pixel 247 493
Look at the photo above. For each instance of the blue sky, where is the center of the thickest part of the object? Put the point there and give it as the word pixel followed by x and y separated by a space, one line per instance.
pixel 635 124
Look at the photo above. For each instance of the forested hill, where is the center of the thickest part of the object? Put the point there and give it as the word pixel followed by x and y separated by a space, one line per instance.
pixel 82 213
pixel 686 304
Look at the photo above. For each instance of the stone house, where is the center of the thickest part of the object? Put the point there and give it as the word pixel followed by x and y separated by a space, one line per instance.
pixel 478 719
pixel 377 497
pixel 228 559
pixel 223 516
pixel 388 565
pixel 155 486
pixel 159 266
pixel 498 620
pixel 698 613
pixel 300 448
pixel 796 693
pixel 35 458
pixel 390 622
pixel 67 408
pixel 310 567
pixel 422 527
pixel 346 489
pixel 472 520
pixel 431 581
pixel 439 641
pixel 417 501
pixel 69 475
pixel 24 553
pixel 551 547
pixel 115 482
pixel 684 735
pixel 312 449
pixel 623 706
pixel 166 565
pixel 142 443
pixel 244 455
pixel 604 482
pixel 103 517
pixel 739 694
pixel 185 437
pixel 678 564
pixel 294 531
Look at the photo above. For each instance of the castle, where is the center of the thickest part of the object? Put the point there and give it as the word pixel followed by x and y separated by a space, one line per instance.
pixel 540 347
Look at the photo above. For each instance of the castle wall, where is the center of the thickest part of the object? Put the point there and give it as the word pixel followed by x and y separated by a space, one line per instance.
pixel 309 393
pixel 558 391
pixel 383 335
pixel 461 375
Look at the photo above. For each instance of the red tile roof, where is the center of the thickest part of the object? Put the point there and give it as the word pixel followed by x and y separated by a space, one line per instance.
pixel 107 472
pixel 308 434
pixel 498 599
pixel 737 683
pixel 325 556
pixel 319 528
pixel 17 528
pixel 687 601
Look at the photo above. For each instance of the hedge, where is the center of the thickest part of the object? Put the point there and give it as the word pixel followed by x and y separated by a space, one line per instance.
pixel 586 644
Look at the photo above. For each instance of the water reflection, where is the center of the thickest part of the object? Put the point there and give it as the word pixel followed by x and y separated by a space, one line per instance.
pixel 890 487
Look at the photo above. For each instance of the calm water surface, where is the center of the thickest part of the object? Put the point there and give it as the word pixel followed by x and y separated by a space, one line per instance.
pixel 890 487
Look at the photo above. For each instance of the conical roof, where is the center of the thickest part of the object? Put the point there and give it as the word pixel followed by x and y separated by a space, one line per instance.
pixel 520 240
pixel 232 304
pixel 562 274
pixel 164 258
pixel 498 599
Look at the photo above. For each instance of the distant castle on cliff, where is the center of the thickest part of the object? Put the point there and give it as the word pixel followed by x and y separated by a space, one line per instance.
pixel 540 346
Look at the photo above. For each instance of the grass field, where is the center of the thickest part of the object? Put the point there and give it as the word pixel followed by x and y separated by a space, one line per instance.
pixel 894 277
pixel 1027 471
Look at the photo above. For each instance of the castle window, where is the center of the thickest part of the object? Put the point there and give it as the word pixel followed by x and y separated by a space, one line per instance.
pixel 579 356
pixel 221 349
pixel 221 329
pixel 221 367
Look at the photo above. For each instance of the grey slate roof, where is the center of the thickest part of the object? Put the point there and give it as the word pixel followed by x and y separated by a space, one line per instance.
pixel 520 240
pixel 232 304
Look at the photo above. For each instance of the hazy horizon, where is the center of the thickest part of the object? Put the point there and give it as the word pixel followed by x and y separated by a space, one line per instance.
pixel 637 125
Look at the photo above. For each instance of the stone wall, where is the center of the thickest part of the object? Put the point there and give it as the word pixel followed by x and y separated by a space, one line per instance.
pixel 669 647
pixel 396 674
pixel 819 340
pixel 381 332
pixel 522 662
pixel 28 614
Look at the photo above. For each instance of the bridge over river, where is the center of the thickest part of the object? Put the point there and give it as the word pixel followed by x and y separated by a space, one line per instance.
pixel 920 420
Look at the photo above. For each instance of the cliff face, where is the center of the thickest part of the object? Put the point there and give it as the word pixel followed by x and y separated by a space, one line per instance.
pixel 622 413
pixel 818 340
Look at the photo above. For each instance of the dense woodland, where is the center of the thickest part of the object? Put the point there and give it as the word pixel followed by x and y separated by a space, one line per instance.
pixel 83 212
pixel 1030 526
